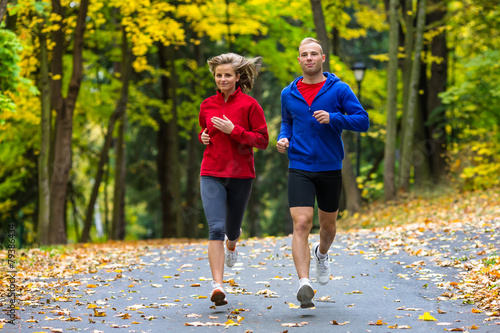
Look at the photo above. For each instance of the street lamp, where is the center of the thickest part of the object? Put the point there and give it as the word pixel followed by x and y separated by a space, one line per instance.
pixel 359 72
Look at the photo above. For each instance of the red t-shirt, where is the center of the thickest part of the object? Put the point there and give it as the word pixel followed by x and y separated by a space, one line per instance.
pixel 309 91
pixel 231 155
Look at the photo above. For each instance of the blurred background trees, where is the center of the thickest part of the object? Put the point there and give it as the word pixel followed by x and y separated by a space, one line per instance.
pixel 99 106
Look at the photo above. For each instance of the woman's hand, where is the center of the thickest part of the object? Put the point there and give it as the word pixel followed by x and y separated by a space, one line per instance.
pixel 224 125
pixel 205 138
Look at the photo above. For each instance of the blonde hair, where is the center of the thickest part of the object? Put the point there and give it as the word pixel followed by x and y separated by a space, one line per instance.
pixel 248 69
pixel 309 40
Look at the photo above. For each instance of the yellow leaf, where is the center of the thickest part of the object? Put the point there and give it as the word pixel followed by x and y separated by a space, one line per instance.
pixel 231 323
pixel 476 311
pixel 98 313
pixel 293 306
pixel 427 317
pixel 56 77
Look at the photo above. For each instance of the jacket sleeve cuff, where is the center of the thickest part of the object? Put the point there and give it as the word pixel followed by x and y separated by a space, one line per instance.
pixel 334 118
pixel 236 133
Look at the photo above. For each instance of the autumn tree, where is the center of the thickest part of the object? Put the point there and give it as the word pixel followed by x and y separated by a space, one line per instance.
pixel 392 83
pixel 64 107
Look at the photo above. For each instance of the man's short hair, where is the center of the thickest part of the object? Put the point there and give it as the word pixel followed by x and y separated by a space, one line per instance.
pixel 309 40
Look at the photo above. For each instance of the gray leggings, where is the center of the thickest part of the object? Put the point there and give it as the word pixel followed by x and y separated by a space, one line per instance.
pixel 224 201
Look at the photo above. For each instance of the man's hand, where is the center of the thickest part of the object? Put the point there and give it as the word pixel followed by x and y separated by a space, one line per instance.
pixel 205 138
pixel 224 125
pixel 282 145
pixel 322 117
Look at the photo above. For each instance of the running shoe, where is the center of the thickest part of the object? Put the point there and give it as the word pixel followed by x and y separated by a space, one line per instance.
pixel 305 294
pixel 322 266
pixel 218 295
pixel 231 256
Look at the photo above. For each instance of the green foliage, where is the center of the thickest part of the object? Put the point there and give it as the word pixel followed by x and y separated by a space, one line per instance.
pixel 474 122
pixel 477 97
pixel 10 47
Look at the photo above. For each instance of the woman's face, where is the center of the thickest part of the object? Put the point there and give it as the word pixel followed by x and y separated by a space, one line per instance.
pixel 226 78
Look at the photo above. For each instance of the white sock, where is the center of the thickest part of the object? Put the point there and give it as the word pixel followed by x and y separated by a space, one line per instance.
pixel 303 280
pixel 321 255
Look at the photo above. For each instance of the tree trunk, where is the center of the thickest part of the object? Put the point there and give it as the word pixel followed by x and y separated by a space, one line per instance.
pixel 254 204
pixel 437 84
pixel 392 105
pixel 44 157
pixel 337 43
pixel 120 109
pixel 421 156
pixel 168 152
pixel 350 185
pixel 64 120
pixel 409 126
pixel 319 23
pixel 118 221
pixel 191 212
pixel 409 18
pixel 3 9
pixel 60 166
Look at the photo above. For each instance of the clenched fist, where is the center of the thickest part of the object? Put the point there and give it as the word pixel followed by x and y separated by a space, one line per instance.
pixel 282 145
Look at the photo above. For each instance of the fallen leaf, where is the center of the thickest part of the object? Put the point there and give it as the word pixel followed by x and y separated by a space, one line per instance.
pixel 295 324
pixel 427 317
pixel 193 315
pixel 98 313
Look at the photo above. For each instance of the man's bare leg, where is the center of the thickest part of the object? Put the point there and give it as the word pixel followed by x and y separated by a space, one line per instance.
pixel 327 230
pixel 302 224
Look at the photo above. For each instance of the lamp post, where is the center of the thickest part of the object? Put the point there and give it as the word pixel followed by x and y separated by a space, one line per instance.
pixel 359 72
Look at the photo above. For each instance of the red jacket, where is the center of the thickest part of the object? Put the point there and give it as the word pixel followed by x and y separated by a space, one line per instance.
pixel 231 155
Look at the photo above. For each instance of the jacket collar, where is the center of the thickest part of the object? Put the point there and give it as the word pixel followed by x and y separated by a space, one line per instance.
pixel 330 80
pixel 220 95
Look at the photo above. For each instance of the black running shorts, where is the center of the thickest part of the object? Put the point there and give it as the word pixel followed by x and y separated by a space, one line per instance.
pixel 306 186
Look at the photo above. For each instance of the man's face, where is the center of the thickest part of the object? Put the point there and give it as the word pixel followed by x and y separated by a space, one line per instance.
pixel 311 58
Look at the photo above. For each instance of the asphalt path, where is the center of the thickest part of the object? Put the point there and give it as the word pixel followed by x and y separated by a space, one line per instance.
pixel 380 282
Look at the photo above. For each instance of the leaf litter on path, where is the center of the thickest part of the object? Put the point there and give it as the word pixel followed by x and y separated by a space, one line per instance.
pixel 49 275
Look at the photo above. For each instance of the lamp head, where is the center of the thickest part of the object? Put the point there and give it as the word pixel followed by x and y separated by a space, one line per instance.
pixel 359 71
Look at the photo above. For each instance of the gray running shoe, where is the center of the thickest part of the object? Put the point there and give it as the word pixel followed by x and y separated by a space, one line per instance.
pixel 305 294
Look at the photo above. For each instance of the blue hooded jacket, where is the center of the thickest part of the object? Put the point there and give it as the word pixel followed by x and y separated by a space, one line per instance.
pixel 314 146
